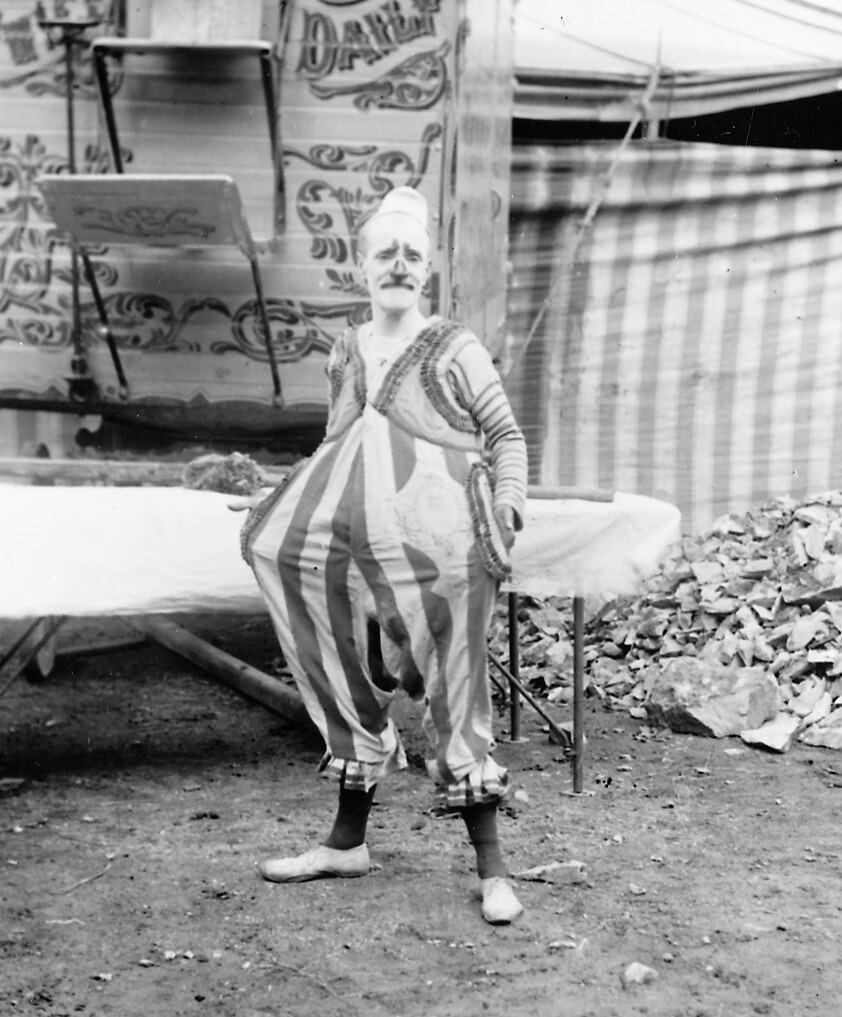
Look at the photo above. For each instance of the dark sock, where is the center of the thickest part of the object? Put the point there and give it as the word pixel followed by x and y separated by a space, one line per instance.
pixel 481 822
pixel 351 819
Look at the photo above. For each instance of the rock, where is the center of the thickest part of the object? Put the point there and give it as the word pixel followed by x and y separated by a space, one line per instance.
pixel 707 571
pixel 826 738
pixel 701 697
pixel 826 734
pixel 810 692
pixel 804 631
pixel 757 568
pixel 760 590
pixel 555 872
pixel 820 711
pixel 637 974
pixel 777 735
pixel 562 944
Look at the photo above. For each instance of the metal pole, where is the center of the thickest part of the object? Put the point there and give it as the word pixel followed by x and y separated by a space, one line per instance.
pixel 106 328
pixel 81 386
pixel 76 334
pixel 562 737
pixel 107 106
pixel 514 667
pixel 268 81
pixel 67 39
pixel 578 694
pixel 267 330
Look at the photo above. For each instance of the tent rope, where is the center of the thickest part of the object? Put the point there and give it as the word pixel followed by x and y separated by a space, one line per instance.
pixel 644 107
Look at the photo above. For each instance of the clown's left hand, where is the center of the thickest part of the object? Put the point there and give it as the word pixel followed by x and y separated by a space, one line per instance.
pixel 505 516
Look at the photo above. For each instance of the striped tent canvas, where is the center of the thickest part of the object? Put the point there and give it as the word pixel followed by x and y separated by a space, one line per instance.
pixel 691 348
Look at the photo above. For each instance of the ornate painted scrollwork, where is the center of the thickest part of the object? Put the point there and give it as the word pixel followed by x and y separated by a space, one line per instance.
pixel 336 157
pixel 146 221
pixel 36 59
pixel 296 328
pixel 24 270
pixel 146 321
pixel 416 83
pixel 26 237
pixel 387 164
pixel 333 213
pixel 20 165
pixel 27 243
pixel 45 333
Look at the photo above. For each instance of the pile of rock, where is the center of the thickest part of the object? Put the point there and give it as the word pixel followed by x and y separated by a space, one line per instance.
pixel 738 632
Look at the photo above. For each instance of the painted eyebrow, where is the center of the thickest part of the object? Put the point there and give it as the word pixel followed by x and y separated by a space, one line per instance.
pixel 395 245
pixel 386 248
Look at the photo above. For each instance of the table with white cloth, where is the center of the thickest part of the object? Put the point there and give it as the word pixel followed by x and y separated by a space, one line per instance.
pixel 151 551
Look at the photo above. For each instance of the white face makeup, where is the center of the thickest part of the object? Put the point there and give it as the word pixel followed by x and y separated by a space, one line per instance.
pixel 395 260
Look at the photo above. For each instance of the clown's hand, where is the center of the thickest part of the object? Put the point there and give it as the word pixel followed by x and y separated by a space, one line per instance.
pixel 505 516
pixel 246 502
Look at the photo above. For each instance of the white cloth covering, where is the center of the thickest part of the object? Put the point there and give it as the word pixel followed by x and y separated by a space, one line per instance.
pixel 147 550
pixel 571 547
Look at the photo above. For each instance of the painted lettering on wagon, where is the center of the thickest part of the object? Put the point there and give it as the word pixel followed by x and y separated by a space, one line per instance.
pixel 332 44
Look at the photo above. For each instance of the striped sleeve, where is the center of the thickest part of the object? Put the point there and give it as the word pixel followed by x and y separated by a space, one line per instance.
pixel 478 387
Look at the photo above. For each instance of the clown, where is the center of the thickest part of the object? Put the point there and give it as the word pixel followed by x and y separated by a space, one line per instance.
pixel 380 557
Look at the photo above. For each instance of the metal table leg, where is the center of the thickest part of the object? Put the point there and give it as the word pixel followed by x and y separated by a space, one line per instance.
pixel 515 689
pixel 99 303
pixel 514 667
pixel 578 694
pixel 267 329
pixel 101 72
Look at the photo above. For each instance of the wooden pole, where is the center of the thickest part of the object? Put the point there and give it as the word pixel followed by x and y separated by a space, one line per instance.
pixel 543 493
pixel 243 677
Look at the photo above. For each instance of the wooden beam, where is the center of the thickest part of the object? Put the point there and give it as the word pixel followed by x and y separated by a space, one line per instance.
pixel 557 493
pixel 248 680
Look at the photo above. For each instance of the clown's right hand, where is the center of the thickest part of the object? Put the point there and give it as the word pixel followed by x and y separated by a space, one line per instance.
pixel 244 503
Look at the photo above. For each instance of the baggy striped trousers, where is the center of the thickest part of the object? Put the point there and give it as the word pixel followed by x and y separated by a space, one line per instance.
pixel 377 525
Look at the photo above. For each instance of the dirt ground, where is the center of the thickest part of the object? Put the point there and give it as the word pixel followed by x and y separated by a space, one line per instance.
pixel 149 791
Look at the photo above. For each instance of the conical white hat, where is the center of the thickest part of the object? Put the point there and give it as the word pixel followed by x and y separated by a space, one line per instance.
pixel 405 201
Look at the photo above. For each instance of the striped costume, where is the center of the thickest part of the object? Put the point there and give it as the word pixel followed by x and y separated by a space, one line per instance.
pixel 391 520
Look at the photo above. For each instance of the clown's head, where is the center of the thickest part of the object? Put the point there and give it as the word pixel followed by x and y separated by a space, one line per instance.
pixel 394 250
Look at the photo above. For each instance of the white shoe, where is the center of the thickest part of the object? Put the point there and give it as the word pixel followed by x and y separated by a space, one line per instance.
pixel 499 903
pixel 319 863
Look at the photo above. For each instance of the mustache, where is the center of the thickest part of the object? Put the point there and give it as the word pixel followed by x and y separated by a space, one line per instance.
pixel 397 284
